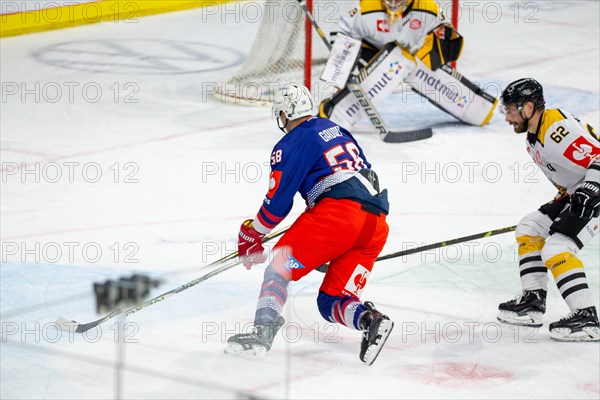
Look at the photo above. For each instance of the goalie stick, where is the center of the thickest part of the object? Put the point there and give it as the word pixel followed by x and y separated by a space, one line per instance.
pixel 67 324
pixel 385 133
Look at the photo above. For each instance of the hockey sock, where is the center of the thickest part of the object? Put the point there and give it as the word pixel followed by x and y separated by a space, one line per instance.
pixel 343 310
pixel 534 275
pixel 571 280
pixel 272 297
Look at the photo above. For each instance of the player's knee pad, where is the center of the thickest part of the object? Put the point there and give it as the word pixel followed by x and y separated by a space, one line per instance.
pixel 534 224
pixel 556 245
pixel 529 244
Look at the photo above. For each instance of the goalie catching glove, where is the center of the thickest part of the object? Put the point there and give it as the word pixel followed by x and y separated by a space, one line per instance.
pixel 250 247
pixel 585 202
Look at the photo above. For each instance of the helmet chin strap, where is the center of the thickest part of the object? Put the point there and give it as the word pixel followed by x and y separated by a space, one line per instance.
pixel 282 128
pixel 526 120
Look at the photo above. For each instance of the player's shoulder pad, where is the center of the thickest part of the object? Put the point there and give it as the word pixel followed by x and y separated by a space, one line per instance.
pixel 428 6
pixel 369 6
pixel 549 118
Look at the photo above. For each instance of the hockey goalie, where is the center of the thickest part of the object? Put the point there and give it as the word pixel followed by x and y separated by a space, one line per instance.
pixel 388 42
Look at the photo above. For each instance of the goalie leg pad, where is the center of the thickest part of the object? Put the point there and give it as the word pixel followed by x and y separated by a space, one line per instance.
pixel 447 89
pixel 341 61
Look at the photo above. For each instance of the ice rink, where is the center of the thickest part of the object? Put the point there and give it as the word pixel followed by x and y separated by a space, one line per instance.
pixel 116 161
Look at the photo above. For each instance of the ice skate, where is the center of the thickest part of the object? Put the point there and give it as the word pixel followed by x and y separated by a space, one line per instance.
pixel 376 329
pixel 579 326
pixel 526 310
pixel 256 343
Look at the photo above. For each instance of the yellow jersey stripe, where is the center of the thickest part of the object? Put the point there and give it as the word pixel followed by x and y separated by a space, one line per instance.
pixel 549 117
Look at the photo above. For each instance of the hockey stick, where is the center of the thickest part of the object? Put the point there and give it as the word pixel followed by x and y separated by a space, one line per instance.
pixel 386 134
pixel 323 268
pixel 66 324
pixel 447 243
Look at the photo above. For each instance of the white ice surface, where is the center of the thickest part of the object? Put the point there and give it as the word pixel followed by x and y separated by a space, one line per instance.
pixel 191 169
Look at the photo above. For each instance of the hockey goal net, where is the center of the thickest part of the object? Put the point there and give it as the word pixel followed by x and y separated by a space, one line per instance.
pixel 288 49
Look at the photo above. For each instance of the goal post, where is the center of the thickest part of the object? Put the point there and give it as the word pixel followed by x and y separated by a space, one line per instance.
pixel 454 17
pixel 308 46
pixel 285 50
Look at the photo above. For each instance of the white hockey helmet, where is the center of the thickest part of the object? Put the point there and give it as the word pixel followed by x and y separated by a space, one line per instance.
pixel 295 101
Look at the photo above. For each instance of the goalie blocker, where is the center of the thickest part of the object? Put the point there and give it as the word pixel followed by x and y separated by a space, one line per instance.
pixel 445 87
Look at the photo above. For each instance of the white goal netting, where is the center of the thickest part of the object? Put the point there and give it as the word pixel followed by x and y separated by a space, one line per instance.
pixel 278 52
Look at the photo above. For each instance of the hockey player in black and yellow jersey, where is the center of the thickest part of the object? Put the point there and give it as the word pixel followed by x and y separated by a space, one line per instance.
pixel 400 41
pixel 417 25
pixel 568 152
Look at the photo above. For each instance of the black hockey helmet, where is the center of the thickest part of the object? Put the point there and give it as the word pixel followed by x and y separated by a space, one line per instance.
pixel 523 90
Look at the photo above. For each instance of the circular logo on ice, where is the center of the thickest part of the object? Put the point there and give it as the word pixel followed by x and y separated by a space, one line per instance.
pixel 139 56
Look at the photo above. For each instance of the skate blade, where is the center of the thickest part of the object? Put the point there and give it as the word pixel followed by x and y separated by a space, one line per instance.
pixel 532 319
pixel 385 328
pixel 238 350
pixel 589 334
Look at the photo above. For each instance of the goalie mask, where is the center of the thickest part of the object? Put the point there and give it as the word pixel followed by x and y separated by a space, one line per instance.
pixel 295 101
pixel 395 8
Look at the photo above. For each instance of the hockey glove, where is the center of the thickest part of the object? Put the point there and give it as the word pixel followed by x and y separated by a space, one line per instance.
pixel 250 247
pixel 585 202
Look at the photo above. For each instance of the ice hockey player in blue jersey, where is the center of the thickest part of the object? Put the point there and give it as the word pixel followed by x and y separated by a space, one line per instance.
pixel 344 225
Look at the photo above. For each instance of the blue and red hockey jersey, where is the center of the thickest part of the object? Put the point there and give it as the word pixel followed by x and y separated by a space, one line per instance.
pixel 310 159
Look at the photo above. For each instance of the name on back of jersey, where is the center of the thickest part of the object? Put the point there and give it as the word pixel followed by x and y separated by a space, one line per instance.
pixel 330 133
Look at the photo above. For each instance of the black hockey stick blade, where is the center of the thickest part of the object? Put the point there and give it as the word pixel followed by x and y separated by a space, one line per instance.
pixel 406 136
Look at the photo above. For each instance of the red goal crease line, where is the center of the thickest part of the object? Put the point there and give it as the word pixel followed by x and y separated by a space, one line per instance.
pixel 16 21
